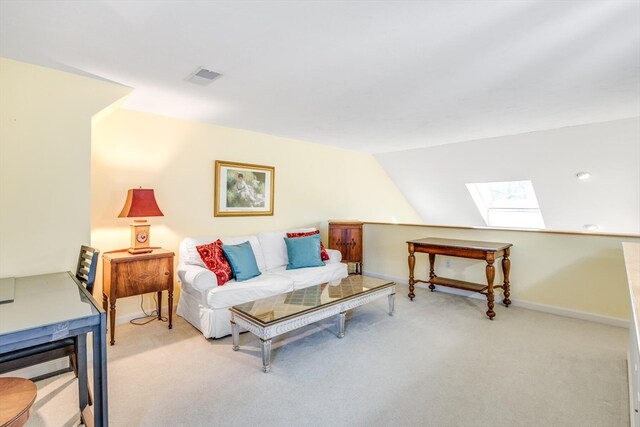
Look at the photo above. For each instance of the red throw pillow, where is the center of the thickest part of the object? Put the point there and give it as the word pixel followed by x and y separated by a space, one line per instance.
pixel 214 259
pixel 323 252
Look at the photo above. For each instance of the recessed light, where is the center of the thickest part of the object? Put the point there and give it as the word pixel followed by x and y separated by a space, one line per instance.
pixel 202 76
pixel 583 176
pixel 591 227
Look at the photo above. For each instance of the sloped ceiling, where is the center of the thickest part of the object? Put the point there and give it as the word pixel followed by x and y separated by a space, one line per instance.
pixel 433 178
pixel 376 76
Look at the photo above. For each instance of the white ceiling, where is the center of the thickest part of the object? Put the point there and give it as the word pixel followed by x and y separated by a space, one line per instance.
pixel 375 76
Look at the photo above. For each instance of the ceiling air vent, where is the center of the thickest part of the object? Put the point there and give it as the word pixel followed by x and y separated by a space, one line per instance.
pixel 202 76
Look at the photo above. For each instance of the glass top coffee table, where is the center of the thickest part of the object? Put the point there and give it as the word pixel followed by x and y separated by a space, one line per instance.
pixel 269 317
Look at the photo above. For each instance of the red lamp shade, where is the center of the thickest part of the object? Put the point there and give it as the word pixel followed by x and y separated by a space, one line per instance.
pixel 140 203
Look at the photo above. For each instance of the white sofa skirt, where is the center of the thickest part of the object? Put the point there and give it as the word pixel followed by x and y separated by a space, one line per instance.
pixel 213 323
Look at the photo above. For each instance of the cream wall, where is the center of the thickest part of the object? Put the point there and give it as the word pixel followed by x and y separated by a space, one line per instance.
pixel 45 145
pixel 574 272
pixel 313 183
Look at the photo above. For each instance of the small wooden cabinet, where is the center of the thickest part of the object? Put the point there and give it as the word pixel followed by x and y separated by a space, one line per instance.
pixel 346 236
pixel 125 275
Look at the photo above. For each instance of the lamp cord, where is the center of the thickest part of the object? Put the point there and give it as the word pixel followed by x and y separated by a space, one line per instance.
pixel 148 317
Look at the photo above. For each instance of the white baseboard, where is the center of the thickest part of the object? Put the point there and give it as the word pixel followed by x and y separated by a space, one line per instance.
pixel 560 311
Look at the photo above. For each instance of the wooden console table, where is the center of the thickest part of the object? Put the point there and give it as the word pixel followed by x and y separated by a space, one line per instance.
pixel 487 251
pixel 125 275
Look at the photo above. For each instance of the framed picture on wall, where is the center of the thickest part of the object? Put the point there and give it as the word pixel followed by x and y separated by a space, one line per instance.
pixel 242 189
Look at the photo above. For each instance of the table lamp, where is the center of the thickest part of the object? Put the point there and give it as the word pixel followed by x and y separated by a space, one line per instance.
pixel 140 203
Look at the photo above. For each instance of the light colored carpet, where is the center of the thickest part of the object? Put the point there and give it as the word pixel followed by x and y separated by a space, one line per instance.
pixel 437 362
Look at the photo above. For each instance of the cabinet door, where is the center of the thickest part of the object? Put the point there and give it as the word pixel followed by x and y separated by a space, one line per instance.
pixel 335 238
pixel 352 238
pixel 141 277
pixel 347 238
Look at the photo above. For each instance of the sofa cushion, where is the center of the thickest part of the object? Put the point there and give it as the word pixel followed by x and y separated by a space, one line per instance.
pixel 189 254
pixel 242 261
pixel 324 256
pixel 274 249
pixel 304 277
pixel 213 257
pixel 234 293
pixel 303 252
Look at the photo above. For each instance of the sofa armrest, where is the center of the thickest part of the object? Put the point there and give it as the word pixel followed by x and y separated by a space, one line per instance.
pixel 197 277
pixel 334 256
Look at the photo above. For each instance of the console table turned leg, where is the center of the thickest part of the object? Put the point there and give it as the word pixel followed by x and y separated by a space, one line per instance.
pixel 491 273
pixel 412 264
pixel 506 268
pixel 432 273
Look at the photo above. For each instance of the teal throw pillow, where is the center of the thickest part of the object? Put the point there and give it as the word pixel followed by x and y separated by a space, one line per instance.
pixel 242 261
pixel 303 252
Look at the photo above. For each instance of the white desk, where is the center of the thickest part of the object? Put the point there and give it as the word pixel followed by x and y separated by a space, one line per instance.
pixel 53 306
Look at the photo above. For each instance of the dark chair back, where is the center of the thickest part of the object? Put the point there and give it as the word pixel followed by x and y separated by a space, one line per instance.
pixel 87 265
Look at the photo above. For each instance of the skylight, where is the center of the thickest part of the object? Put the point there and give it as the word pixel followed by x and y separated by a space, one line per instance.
pixel 507 204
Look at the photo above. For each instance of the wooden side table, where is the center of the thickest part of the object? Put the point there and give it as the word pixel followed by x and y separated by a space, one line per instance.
pixel 16 397
pixel 125 274
pixel 346 236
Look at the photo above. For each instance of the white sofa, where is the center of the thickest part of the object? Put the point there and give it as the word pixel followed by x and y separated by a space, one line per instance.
pixel 205 305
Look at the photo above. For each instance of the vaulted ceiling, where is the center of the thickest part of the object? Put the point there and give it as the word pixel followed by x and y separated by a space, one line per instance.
pixel 376 76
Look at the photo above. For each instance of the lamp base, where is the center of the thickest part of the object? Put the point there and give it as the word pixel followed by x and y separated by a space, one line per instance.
pixel 140 231
pixel 139 251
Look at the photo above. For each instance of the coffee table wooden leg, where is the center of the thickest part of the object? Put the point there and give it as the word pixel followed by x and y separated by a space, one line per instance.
pixel 341 318
pixel 235 336
pixel 266 355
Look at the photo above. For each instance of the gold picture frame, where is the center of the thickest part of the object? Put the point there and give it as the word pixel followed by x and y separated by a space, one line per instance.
pixel 243 189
